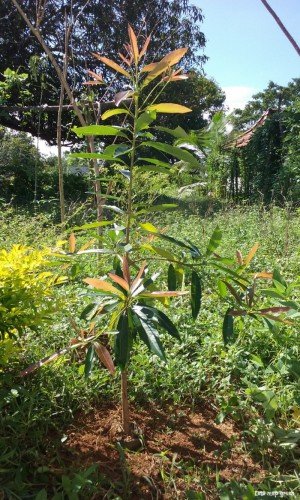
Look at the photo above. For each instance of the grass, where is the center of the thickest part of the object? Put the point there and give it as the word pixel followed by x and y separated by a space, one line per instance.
pixel 254 382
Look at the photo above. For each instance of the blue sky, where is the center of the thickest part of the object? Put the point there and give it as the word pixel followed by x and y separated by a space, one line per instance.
pixel 246 47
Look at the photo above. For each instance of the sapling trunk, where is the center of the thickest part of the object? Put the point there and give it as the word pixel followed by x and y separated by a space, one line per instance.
pixel 124 394
pixel 125 403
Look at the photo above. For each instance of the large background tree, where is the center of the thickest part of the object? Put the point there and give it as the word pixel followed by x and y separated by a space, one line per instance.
pixel 100 27
pixel 275 97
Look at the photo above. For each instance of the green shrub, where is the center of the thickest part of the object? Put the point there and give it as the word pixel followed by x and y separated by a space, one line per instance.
pixel 26 290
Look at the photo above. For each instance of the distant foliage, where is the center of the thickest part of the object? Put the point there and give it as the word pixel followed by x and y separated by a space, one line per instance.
pixel 26 290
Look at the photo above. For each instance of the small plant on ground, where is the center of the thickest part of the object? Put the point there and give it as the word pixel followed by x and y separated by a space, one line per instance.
pixel 127 293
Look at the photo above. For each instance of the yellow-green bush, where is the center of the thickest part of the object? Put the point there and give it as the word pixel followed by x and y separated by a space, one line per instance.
pixel 26 289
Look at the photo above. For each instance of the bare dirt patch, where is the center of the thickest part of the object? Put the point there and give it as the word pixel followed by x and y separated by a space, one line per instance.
pixel 176 450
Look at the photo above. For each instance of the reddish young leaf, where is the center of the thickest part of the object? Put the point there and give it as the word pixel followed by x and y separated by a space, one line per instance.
pixel 126 61
pixel 145 46
pixel 264 275
pixel 111 64
pixel 125 269
pixel 103 286
pixel 137 279
pixel 105 357
pixel 239 257
pixel 133 43
pixel 251 254
pixel 95 75
pixel 119 280
pixel 72 243
pixel 276 309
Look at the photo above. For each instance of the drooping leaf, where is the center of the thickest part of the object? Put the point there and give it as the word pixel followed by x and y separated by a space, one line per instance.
pixel 174 151
pixel 150 336
pixel 214 241
pixel 111 64
pixel 172 279
pixel 105 357
pixel 233 292
pixel 278 277
pixel 228 327
pixel 168 107
pixel 113 112
pixel 177 132
pixel 89 361
pixel 196 294
pixel 97 76
pixel 101 130
pixel 103 286
pixel 275 309
pixel 156 162
pixel 123 342
pixel 154 314
pixel 153 230
pixel 89 311
pixel 121 96
pixel 96 156
pixel 154 168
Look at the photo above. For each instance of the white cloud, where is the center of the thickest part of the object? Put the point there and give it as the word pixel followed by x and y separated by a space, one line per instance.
pixel 238 96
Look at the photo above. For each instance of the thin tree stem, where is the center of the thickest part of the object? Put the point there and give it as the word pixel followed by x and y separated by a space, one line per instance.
pixel 281 26
pixel 125 403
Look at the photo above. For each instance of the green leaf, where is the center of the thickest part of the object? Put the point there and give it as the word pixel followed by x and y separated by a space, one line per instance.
pixel 152 314
pixel 156 162
pixel 98 130
pixel 168 107
pixel 96 156
pixel 151 338
pixel 147 226
pixel 158 208
pixel 89 361
pixel 277 277
pixel 113 112
pixel 89 311
pixel 222 288
pixel 196 294
pixel 153 168
pixel 115 150
pixel 174 151
pixel 92 225
pixel 144 120
pixel 228 327
pixel 172 281
pixel 177 132
pixel 214 241
pixel 123 342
